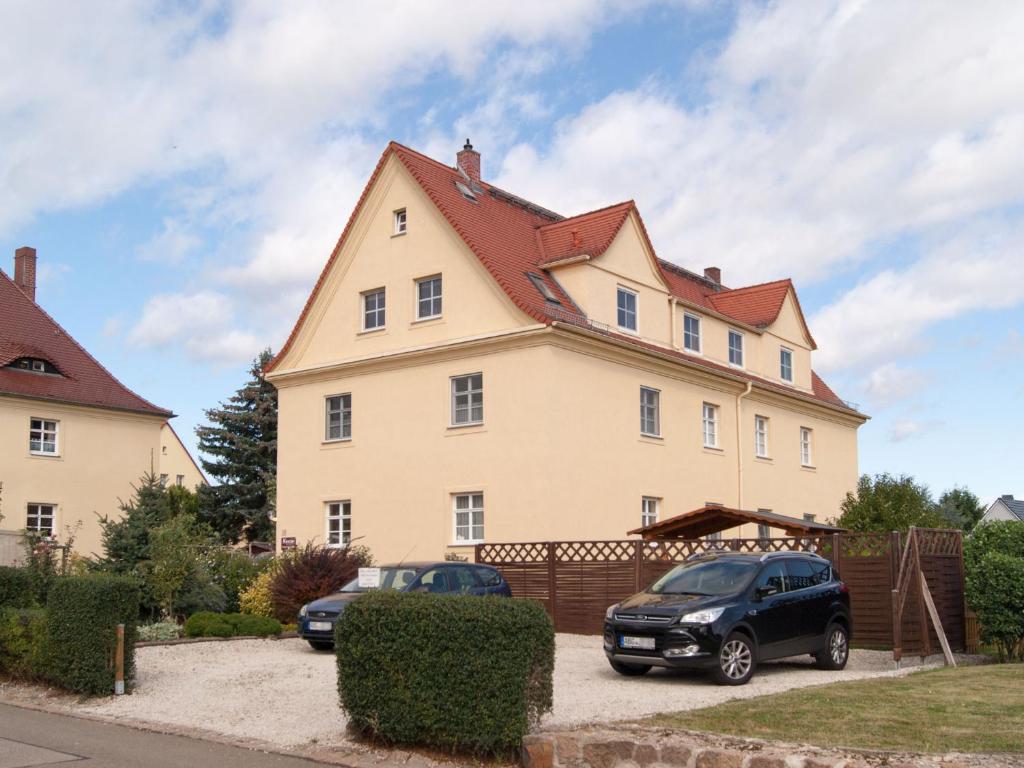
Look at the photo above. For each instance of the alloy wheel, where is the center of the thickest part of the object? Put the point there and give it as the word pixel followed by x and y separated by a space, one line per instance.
pixel 735 659
pixel 837 646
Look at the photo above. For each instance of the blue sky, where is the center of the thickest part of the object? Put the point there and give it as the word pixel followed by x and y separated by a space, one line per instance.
pixel 184 170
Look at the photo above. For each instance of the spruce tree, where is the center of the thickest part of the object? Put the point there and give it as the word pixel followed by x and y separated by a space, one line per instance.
pixel 241 443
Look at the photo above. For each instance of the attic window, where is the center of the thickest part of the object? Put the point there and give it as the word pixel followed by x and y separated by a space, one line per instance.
pixel 542 287
pixel 465 191
pixel 35 365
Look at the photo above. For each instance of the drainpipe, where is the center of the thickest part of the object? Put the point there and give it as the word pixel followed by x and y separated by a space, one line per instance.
pixel 739 445
pixel 672 320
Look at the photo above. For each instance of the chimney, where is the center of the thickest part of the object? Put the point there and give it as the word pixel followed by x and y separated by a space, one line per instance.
pixel 468 160
pixel 25 271
pixel 1007 497
pixel 714 274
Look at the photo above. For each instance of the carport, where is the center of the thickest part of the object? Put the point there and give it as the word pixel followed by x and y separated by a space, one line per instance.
pixel 713 518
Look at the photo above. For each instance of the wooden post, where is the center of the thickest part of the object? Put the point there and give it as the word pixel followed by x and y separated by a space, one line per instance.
pixel 119 662
pixel 897 629
pixel 638 565
pixel 922 611
pixel 927 595
pixel 837 553
pixel 552 585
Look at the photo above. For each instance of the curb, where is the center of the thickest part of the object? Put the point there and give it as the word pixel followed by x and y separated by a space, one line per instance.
pixel 188 640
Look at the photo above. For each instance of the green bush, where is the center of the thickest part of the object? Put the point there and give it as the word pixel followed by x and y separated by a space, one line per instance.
pixel 994 585
pixel 255 599
pixel 471 674
pixel 23 643
pixel 160 630
pixel 82 614
pixel 207 624
pixel 233 572
pixel 15 588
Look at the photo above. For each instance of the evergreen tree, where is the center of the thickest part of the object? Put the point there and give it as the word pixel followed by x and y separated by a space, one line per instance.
pixel 961 508
pixel 241 442
pixel 126 539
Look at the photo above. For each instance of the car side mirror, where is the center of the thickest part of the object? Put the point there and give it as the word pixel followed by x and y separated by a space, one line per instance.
pixel 766 591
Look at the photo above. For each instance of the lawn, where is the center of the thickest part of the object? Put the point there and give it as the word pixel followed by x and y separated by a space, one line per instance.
pixel 967 709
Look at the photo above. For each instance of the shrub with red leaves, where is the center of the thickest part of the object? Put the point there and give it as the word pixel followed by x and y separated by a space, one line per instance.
pixel 313 572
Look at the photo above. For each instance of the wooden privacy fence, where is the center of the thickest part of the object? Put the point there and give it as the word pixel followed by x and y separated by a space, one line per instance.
pixel 577 580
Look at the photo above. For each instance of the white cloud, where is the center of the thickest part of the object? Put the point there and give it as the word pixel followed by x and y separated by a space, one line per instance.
pixel 891 383
pixel 908 429
pixel 172 245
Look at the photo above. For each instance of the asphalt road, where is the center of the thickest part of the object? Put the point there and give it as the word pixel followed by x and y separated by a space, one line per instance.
pixel 29 738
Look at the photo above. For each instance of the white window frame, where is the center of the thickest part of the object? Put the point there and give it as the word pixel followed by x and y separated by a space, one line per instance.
pixel 39 366
pixel 344 409
pixel 709 425
pixel 401 221
pixel 179 480
pixel 468 394
pixel 621 290
pixel 438 297
pixel 341 511
pixel 379 310
pixel 783 353
pixel 734 334
pixel 808 517
pixel 474 511
pixel 650 506
pixel 806 447
pixel 46 427
pixel 654 406
pixel 761 428
pixel 686 345
pixel 39 506
pixel 164 477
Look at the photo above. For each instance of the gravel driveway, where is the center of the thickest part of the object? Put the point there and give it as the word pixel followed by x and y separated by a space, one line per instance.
pixel 283 692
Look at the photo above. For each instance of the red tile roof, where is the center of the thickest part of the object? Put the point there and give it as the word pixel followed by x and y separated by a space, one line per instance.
pixel 28 331
pixel 513 238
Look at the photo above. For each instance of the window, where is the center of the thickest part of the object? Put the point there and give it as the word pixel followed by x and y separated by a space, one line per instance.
pixel 764 532
pixel 735 348
pixel 716 536
pixel 462 579
pixel 774 575
pixel 691 333
pixel 801 575
pixel 428 298
pixel 400 221
pixel 40 518
pixel 710 425
pixel 179 480
pixel 469 517
pixel 808 517
pixel 626 309
pixel 786 364
pixel 648 511
pixel 761 437
pixel 468 399
pixel 163 481
pixel 373 310
pixel 805 446
pixel 42 437
pixel 339 418
pixel 650 418
pixel 339 523
pixel 542 287
pixel 435 580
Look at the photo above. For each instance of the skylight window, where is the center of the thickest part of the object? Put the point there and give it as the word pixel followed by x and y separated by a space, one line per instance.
pixel 465 191
pixel 542 287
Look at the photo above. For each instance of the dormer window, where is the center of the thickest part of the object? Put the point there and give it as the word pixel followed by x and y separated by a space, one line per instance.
pixel 736 348
pixel 35 365
pixel 786 364
pixel 626 309
pixel 400 221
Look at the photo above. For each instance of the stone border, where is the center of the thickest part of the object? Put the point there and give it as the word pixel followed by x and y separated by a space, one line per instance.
pixel 187 640
pixel 640 747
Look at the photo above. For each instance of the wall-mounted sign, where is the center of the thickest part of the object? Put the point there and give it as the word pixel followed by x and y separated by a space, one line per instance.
pixel 369 578
pixel 288 542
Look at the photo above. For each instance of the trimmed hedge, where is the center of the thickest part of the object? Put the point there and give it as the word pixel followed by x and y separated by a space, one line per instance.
pixel 209 624
pixel 15 588
pixel 23 643
pixel 465 673
pixel 82 614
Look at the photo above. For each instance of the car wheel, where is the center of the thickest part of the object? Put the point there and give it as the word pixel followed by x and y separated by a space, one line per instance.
pixel 321 645
pixel 836 652
pixel 737 660
pixel 630 670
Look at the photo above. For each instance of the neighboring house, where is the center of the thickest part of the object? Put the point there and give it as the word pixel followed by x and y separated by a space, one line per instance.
pixel 75 439
pixel 472 367
pixel 177 467
pixel 1004 508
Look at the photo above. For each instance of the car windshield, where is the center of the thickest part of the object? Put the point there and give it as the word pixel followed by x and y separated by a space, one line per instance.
pixel 390 578
pixel 705 577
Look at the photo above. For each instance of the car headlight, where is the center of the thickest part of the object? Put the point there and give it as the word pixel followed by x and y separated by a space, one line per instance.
pixel 706 616
pixel 302 611
pixel 610 611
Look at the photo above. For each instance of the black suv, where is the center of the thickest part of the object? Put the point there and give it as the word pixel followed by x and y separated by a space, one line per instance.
pixel 727 612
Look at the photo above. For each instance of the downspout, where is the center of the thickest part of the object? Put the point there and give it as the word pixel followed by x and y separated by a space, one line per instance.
pixel 672 321
pixel 739 446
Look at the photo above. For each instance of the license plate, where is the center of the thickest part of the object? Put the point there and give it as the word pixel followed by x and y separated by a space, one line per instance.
pixel 320 626
pixel 640 643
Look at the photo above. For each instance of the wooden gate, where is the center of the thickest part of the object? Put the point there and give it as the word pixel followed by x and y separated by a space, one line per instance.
pixel 577 580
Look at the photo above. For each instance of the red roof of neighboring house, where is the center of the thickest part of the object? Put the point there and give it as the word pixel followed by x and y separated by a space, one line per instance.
pixel 514 238
pixel 28 331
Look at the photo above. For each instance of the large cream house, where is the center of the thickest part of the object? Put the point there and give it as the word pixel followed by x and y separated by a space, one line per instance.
pixel 74 439
pixel 471 367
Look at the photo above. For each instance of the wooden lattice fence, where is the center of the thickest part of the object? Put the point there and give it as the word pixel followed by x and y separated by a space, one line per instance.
pixel 577 580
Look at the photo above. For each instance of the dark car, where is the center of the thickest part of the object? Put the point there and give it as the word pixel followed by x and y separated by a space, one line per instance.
pixel 317 619
pixel 727 612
